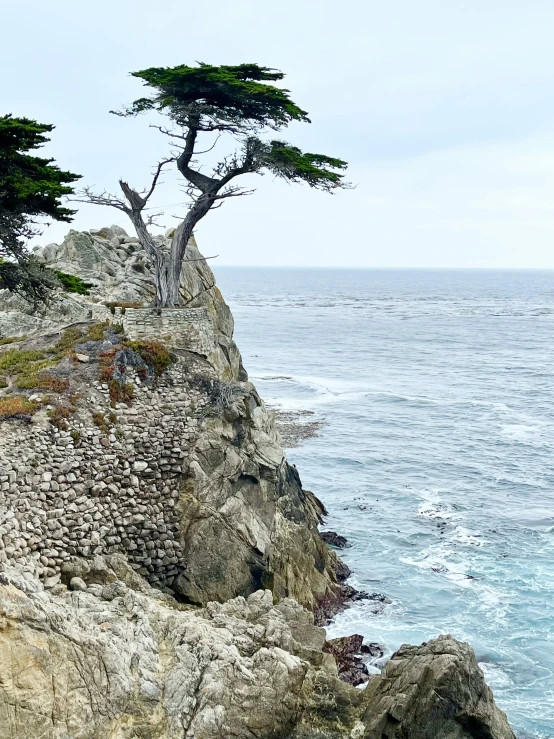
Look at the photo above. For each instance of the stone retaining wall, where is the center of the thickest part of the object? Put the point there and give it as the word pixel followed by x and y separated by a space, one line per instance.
pixel 183 328
pixel 105 492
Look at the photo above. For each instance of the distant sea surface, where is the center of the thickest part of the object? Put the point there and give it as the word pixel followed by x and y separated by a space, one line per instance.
pixel 436 458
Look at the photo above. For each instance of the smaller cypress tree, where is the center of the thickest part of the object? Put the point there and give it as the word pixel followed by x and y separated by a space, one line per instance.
pixel 32 188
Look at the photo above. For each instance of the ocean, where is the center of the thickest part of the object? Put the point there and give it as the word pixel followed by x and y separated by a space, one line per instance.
pixel 435 388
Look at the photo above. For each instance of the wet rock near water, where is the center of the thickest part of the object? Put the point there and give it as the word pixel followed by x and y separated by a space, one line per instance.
pixel 433 691
pixel 347 652
pixel 296 427
pixel 334 539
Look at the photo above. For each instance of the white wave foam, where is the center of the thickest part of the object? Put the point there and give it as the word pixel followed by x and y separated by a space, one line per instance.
pixel 432 506
pixel 522 433
pixel 464 536
pixel 495 676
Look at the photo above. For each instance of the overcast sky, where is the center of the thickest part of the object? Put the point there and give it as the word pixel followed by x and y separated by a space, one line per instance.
pixel 444 110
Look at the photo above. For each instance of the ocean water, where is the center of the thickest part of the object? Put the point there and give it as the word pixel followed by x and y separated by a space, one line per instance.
pixel 436 460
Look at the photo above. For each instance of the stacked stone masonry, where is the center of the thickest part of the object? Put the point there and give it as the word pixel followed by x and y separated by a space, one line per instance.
pixel 105 493
pixel 186 328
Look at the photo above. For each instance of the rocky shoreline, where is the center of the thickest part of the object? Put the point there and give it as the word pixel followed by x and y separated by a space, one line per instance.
pixel 162 570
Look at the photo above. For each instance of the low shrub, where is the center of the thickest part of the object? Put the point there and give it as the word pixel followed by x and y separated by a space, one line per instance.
pixel 154 353
pixel 73 284
pixel 36 381
pixel 11 340
pixel 95 332
pixel 121 392
pixel 77 335
pixel 15 360
pixel 17 406
pixel 99 420
pixel 68 339
pixel 58 416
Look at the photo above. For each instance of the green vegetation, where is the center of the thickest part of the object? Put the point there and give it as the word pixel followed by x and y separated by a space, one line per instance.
pixel 120 392
pixel 11 340
pixel 73 284
pixel 75 335
pixel 99 420
pixel 27 368
pixel 15 360
pixel 206 101
pixel 31 188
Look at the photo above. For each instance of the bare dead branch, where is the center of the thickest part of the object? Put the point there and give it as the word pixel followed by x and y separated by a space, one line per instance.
pixel 86 195
pixel 211 147
pixel 159 168
pixel 167 132
pixel 202 259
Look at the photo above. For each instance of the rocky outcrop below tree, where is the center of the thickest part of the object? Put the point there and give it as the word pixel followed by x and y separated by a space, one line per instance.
pixel 118 272
pixel 115 659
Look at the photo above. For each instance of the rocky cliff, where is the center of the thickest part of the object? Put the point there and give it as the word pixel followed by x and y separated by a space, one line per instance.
pixel 158 550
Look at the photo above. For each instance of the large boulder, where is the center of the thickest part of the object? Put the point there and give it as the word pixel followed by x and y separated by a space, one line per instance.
pixel 434 691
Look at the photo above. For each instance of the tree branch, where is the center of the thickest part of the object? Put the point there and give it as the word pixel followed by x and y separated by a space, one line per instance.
pixel 159 168
pixel 103 198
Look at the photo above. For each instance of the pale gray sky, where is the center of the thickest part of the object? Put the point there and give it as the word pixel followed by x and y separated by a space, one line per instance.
pixel 444 110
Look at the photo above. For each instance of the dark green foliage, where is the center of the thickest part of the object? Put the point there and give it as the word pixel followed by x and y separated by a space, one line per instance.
pixel 31 188
pixel 30 185
pixel 290 163
pixel 229 95
pixel 238 100
pixel 73 284
pixel 154 353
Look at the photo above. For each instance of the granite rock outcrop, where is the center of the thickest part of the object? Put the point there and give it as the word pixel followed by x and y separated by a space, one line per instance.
pixel 160 561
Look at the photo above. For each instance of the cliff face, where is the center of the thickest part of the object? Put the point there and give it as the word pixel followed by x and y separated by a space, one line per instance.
pixel 158 550
pixel 188 479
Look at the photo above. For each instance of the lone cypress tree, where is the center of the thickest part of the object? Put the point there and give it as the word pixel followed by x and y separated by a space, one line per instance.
pixel 214 100
pixel 31 189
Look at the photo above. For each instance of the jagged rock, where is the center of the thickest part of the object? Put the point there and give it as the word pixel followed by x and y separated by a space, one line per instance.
pixel 434 691
pixel 246 520
pixel 76 667
pixel 347 650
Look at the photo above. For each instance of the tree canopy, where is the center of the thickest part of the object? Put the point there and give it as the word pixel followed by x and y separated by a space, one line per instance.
pixel 234 98
pixel 32 188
